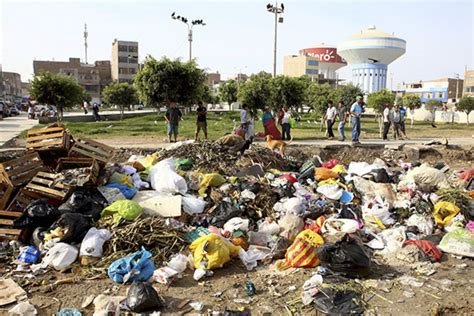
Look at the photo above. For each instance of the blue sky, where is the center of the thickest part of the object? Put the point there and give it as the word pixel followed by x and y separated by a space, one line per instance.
pixel 239 34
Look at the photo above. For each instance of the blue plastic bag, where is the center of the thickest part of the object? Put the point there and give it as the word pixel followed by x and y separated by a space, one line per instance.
pixel 69 312
pixel 134 267
pixel 127 191
pixel 29 255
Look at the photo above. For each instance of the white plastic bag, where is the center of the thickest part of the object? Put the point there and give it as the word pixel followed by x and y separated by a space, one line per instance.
pixel 393 239
pixel 423 223
pixel 94 241
pixel 331 191
pixel 294 205
pixel 60 257
pixel 193 205
pixel 290 226
pixel 236 223
pixel 339 225
pixel 425 174
pixel 255 253
pixel 268 227
pixel 164 179
pixel 23 308
pixel 377 208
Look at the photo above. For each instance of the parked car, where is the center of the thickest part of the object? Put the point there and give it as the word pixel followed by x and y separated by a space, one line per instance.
pixel 14 110
pixel 5 109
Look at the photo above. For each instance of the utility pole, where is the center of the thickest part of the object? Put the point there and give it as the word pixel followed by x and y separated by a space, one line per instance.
pixel 85 40
pixel 190 30
pixel 457 86
pixel 276 11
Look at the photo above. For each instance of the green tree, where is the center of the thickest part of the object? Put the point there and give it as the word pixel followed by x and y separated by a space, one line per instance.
pixel 317 96
pixel 228 91
pixel 206 95
pixel 432 105
pixel 121 94
pixel 58 90
pixel 411 101
pixel 347 94
pixel 256 92
pixel 466 105
pixel 165 81
pixel 287 91
pixel 377 100
pixel 399 101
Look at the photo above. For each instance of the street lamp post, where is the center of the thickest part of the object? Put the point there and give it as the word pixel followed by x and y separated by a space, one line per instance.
pixel 276 11
pixel 190 29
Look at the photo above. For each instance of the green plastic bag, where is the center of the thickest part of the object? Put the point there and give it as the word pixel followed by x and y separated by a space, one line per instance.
pixel 458 242
pixel 184 164
pixel 122 209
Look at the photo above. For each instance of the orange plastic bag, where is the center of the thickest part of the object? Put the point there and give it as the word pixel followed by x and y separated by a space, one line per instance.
pixel 321 174
pixel 303 252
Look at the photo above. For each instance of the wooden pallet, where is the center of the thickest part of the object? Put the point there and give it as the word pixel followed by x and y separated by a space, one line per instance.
pixel 85 147
pixel 45 184
pixel 22 199
pixel 52 137
pixel 20 170
pixel 91 167
pixel 6 192
pixel 6 225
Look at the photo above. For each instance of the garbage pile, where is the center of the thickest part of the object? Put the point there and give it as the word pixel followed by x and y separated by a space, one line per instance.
pixel 197 207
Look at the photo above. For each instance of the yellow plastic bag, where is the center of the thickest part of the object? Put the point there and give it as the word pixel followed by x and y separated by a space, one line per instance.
pixel 150 160
pixel 444 212
pixel 332 181
pixel 214 249
pixel 210 180
pixel 339 169
pixel 303 253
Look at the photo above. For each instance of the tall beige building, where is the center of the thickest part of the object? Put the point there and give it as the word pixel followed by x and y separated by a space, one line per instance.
pixel 468 83
pixel 124 61
pixel 300 65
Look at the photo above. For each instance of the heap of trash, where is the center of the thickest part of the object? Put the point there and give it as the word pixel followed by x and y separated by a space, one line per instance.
pixel 198 206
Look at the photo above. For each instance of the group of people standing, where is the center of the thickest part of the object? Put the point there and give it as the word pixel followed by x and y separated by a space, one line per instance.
pixel 394 117
pixel 341 113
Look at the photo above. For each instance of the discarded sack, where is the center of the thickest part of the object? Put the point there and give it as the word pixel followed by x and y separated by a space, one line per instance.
pixel 135 267
pixel 60 256
pixel 93 242
pixel 346 256
pixel 303 252
pixel 75 226
pixel 291 225
pixel 210 180
pixel 86 202
pixel 427 175
pixel 38 214
pixel 458 242
pixel 163 178
pixel 122 209
pixel 212 251
pixel 444 212
pixel 142 297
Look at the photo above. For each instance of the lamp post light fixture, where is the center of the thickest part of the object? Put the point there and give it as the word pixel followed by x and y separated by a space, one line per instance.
pixel 190 28
pixel 276 10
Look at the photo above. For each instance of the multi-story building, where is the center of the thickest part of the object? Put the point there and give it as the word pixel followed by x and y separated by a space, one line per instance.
pixel 213 78
pixel 446 90
pixel 468 83
pixel 10 86
pixel 93 77
pixel 300 65
pixel 25 88
pixel 124 60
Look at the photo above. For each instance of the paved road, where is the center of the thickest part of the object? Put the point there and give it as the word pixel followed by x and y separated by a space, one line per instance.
pixel 13 126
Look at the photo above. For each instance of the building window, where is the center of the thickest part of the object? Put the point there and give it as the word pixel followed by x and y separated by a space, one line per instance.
pixel 132 71
pixel 122 48
pixel 440 95
pixel 132 60
pixel 132 49
pixel 311 72
pixel 123 71
pixel 93 88
pixel 123 59
pixel 312 63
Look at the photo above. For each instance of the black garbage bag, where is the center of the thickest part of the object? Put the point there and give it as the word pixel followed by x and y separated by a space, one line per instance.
pixel 222 213
pixel 245 312
pixel 142 297
pixel 333 302
pixel 254 187
pixel 346 256
pixel 286 190
pixel 75 226
pixel 39 213
pixel 85 201
pixel 350 212
pixel 380 175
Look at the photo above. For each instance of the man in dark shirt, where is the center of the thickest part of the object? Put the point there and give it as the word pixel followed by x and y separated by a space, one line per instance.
pixel 201 122
pixel 173 116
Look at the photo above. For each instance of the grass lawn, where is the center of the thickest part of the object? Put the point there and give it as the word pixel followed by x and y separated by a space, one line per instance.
pixel 221 123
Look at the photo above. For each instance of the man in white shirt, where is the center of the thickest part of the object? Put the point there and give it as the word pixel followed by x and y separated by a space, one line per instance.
pixel 244 121
pixel 330 116
pixel 386 121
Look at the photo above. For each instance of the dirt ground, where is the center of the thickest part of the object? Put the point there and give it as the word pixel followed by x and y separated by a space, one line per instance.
pixel 446 292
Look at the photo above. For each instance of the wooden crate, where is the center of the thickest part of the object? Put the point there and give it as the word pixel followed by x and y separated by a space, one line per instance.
pixel 91 165
pixel 52 137
pixel 6 225
pixel 22 199
pixel 6 192
pixel 46 184
pixel 85 147
pixel 20 170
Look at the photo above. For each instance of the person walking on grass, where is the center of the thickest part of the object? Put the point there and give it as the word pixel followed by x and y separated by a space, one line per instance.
pixel 201 122
pixel 356 112
pixel 172 116
pixel 396 122
pixel 342 113
pixel 403 115
pixel 386 120
pixel 95 112
pixel 284 117
pixel 330 117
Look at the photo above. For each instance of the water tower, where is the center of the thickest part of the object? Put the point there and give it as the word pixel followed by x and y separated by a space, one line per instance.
pixel 369 52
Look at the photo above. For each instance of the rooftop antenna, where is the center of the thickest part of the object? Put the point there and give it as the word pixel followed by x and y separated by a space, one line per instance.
pixel 85 40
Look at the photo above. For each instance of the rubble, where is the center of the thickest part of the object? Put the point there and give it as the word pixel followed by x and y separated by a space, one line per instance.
pixel 75 205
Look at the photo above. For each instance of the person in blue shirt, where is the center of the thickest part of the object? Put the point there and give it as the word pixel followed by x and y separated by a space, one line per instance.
pixel 403 115
pixel 356 112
